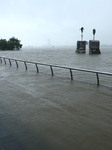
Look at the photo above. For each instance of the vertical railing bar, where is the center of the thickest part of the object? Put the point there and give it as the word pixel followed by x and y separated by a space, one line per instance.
pixel 16 63
pixel 71 74
pixel 25 65
pixel 97 79
pixel 52 71
pixel 37 67
pixel 4 61
pixel 1 59
pixel 10 62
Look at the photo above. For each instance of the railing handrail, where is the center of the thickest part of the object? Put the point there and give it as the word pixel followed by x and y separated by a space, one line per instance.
pixel 57 66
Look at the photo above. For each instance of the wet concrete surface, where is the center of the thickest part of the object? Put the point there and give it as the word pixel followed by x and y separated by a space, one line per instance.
pixel 36 111
pixel 8 142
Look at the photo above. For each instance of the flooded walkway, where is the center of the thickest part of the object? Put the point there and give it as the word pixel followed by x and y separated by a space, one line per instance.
pixel 44 112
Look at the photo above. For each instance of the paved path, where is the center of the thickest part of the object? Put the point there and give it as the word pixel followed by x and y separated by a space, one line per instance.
pixel 34 108
pixel 8 142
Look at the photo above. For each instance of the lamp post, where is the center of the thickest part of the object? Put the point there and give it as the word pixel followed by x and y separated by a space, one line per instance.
pixel 82 29
pixel 94 31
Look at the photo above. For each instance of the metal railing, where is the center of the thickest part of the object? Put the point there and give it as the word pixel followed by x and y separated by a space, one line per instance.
pixel 97 73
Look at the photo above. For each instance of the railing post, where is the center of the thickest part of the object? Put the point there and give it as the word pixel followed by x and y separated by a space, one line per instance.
pixel 52 71
pixel 71 74
pixel 25 65
pixel 10 62
pixel 37 68
pixel 1 59
pixel 4 61
pixel 16 63
pixel 97 79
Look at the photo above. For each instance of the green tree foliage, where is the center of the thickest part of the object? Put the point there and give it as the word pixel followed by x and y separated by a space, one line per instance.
pixel 3 44
pixel 12 44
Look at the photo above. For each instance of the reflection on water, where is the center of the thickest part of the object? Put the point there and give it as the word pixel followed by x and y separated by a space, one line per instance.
pixel 43 112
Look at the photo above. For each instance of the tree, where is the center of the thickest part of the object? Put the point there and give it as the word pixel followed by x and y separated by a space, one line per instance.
pixel 12 44
pixel 3 44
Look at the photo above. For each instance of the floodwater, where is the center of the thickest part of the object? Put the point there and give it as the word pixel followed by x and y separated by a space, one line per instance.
pixel 41 112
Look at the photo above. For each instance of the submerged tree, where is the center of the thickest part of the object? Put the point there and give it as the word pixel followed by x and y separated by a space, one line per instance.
pixel 12 44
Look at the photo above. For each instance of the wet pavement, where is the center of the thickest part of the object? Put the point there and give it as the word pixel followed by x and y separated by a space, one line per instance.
pixel 8 142
pixel 36 111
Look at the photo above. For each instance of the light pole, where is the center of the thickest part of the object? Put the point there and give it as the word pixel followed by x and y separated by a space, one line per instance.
pixel 94 31
pixel 82 29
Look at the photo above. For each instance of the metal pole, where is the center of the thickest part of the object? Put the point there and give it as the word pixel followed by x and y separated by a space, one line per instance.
pixel 52 71
pixel 82 29
pixel 4 61
pixel 16 63
pixel 94 31
pixel 10 62
pixel 1 59
pixel 25 65
pixel 81 36
pixel 71 74
pixel 37 68
pixel 97 79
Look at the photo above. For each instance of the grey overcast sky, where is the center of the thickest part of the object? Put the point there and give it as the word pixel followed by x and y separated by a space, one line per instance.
pixel 55 22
